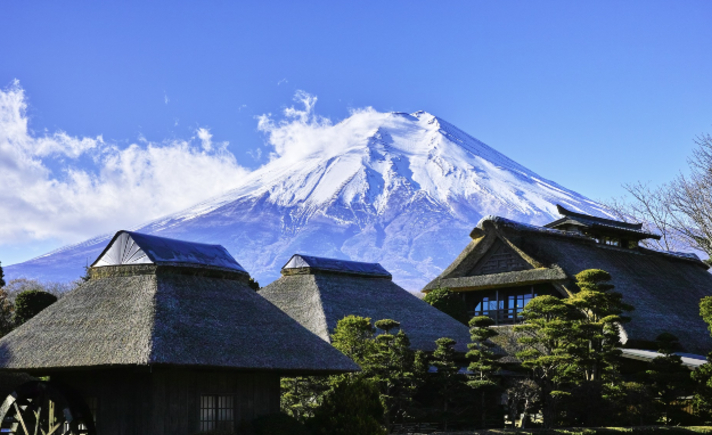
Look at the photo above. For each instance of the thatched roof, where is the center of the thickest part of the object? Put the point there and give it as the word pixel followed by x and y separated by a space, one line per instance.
pixel 319 298
pixel 585 222
pixel 149 314
pixel 664 287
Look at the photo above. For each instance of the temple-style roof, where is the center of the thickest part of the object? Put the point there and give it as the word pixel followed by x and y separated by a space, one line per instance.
pixel 300 262
pixel 664 287
pixel 135 248
pixel 319 297
pixel 166 314
pixel 594 224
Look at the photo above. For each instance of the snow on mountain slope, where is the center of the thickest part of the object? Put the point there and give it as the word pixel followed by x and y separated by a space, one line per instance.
pixel 400 189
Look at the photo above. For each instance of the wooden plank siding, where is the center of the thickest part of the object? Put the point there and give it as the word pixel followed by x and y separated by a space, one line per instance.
pixel 166 401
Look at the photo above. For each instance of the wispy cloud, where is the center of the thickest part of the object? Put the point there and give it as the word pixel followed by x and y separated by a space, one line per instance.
pixel 302 133
pixel 165 98
pixel 282 82
pixel 116 187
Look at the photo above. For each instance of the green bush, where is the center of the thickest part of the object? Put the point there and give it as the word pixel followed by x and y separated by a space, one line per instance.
pixel 29 303
pixel 353 408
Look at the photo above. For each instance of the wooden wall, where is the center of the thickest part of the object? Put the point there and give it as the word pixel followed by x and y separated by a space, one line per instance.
pixel 166 401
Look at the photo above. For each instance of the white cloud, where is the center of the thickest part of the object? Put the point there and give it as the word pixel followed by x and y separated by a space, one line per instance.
pixel 206 139
pixel 302 133
pixel 117 187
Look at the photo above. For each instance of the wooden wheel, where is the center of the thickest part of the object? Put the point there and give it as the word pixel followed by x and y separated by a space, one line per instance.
pixel 45 408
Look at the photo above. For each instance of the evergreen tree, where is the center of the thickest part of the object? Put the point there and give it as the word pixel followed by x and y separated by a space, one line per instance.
pixel 87 275
pixel 545 335
pixel 254 285
pixel 354 408
pixel 483 361
pixel 2 276
pixel 668 379
pixel 446 380
pixel 393 371
pixel 703 375
pixel 595 334
pixel 448 302
pixel 301 396
pixel 353 336
pixel 29 303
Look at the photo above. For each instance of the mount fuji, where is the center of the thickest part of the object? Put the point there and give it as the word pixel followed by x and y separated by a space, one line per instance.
pixel 400 189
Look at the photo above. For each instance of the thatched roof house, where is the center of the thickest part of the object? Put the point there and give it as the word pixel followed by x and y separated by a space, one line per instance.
pixel 164 332
pixel 507 263
pixel 318 292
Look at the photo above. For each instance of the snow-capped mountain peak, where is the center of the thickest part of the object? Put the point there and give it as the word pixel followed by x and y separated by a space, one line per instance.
pixel 396 188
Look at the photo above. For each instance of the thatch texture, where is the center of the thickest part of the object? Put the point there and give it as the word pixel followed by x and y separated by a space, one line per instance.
pixel 167 315
pixel 664 288
pixel 319 299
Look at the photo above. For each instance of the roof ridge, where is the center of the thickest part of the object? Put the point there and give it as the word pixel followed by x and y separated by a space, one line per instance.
pixel 519 226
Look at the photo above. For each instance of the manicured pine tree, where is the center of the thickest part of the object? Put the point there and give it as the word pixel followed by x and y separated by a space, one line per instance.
pixel 353 336
pixel 546 337
pixel 595 335
pixel 393 370
pixel 446 380
pixel 483 361
pixel 668 378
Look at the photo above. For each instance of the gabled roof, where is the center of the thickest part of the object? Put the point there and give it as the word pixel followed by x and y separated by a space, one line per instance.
pixel 320 298
pixel 163 314
pixel 128 247
pixel 299 261
pixel 632 230
pixel 664 287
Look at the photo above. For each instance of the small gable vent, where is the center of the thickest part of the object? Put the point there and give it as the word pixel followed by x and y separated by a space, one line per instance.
pixel 301 262
pixel 123 251
pixel 128 248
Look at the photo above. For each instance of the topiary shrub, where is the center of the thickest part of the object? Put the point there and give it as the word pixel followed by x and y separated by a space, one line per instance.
pixel 278 424
pixel 29 303
pixel 354 408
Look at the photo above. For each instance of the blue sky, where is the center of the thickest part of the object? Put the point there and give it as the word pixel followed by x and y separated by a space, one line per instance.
pixel 589 94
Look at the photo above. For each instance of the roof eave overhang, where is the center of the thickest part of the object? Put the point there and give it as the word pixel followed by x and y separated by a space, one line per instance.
pixel 499 280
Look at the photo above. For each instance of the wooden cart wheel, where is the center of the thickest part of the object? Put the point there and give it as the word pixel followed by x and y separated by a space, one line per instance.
pixel 45 408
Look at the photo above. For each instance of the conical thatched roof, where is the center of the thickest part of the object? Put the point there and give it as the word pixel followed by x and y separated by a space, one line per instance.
pixel 664 287
pixel 319 294
pixel 198 315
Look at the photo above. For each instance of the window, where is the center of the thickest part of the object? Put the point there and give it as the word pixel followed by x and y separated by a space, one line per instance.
pixel 217 413
pixel 610 241
pixel 517 303
pixel 489 307
pixel 504 306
